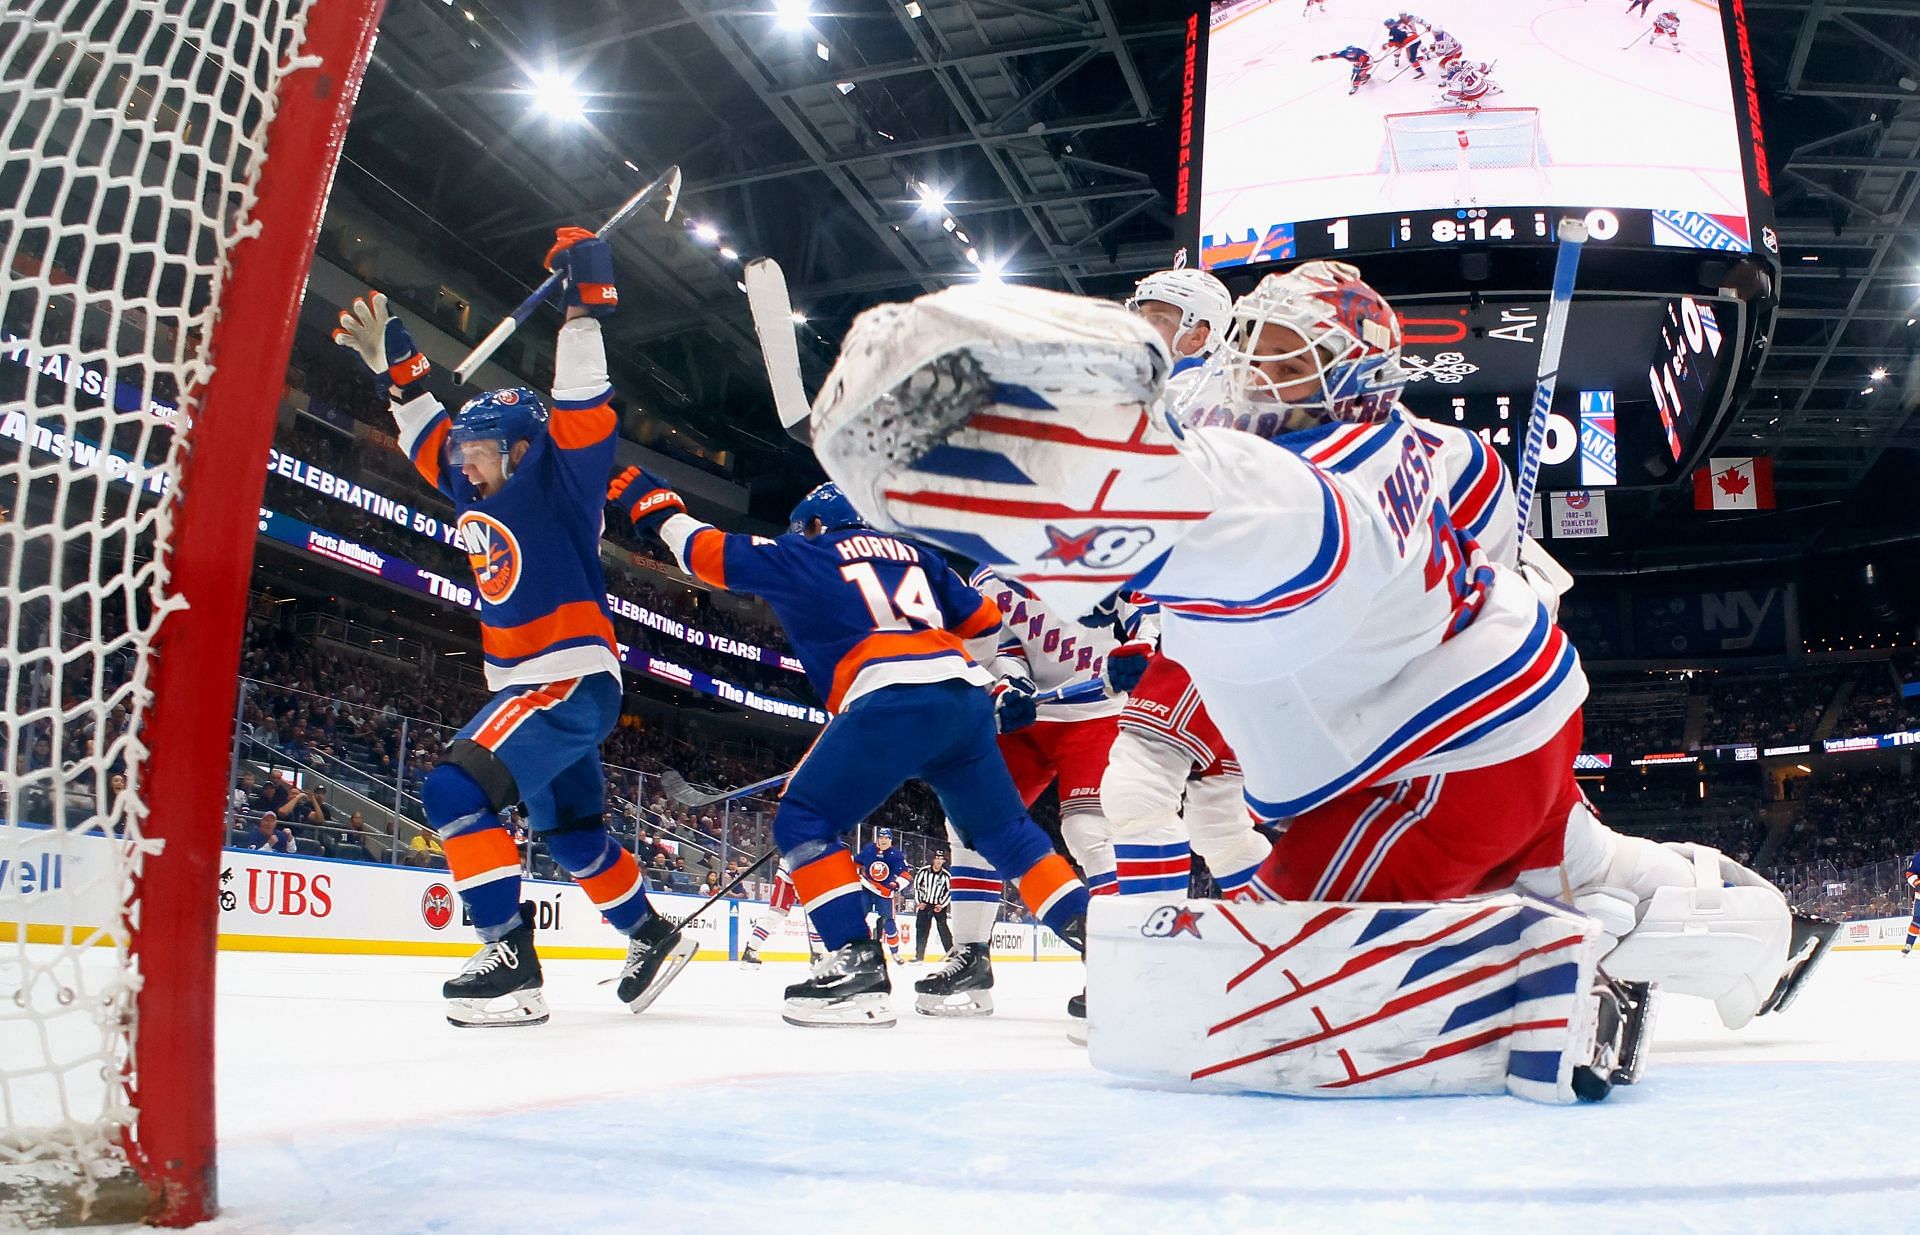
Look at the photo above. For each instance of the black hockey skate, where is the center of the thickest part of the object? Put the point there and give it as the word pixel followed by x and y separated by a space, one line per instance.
pixel 1811 938
pixel 1619 1039
pixel 1077 1019
pixel 967 975
pixel 507 969
pixel 656 954
pixel 750 956
pixel 849 987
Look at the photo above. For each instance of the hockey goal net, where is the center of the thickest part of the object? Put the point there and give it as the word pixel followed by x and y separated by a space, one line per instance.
pixel 163 173
pixel 1483 147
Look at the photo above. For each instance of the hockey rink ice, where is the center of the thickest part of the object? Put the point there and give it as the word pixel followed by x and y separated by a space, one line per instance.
pixel 1634 127
pixel 347 1104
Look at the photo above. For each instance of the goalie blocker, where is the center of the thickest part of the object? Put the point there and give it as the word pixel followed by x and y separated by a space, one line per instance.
pixel 1490 995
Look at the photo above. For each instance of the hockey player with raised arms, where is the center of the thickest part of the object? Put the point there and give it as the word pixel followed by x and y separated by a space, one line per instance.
pixel 528 482
pixel 883 628
pixel 884 875
pixel 1402 705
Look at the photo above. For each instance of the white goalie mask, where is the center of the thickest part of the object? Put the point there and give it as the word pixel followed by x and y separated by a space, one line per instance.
pixel 1012 425
pixel 1312 345
pixel 1199 296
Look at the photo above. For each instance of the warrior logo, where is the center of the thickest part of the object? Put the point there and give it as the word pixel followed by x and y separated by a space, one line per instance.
pixel 495 555
pixel 1099 547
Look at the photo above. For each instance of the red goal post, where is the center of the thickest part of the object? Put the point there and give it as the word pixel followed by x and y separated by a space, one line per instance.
pixel 165 174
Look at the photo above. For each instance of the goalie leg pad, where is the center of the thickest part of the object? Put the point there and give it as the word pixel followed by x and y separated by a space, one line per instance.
pixel 1482 996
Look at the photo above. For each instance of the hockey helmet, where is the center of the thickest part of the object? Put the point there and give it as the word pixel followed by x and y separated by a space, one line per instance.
pixel 1199 296
pixel 1347 331
pixel 508 416
pixel 829 505
pixel 883 834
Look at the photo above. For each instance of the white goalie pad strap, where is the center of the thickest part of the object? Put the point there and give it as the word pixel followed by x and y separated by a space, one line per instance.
pixel 1315 999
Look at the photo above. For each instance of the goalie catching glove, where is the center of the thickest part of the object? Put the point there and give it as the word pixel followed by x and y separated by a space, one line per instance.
pixel 584 263
pixel 644 498
pixel 383 343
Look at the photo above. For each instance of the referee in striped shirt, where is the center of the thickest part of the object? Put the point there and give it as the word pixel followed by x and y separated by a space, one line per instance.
pixel 932 888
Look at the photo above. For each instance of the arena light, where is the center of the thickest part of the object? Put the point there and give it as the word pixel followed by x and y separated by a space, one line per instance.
pixel 792 14
pixel 732 255
pixel 554 96
pixel 1879 374
pixel 799 318
pixel 990 269
pixel 932 199
pixel 706 232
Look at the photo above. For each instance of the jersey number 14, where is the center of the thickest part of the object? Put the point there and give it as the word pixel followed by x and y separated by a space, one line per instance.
pixel 912 602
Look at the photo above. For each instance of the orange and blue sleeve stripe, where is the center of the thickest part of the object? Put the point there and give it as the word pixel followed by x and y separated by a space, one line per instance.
pixel 581 425
pixel 707 556
pixel 987 617
pixel 429 453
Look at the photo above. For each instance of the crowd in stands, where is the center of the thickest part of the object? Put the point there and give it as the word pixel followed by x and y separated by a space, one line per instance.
pixel 1770 709
pixel 1855 817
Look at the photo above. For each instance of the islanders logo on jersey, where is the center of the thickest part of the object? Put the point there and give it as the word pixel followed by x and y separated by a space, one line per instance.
pixel 878 873
pixel 495 555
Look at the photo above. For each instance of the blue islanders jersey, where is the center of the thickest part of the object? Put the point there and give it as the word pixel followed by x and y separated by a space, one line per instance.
pixel 535 543
pixel 881 873
pixel 862 609
pixel 1913 871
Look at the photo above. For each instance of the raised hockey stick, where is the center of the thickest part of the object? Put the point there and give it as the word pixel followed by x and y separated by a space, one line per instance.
pixel 1573 234
pixel 668 180
pixel 772 309
pixel 677 787
pixel 1643 34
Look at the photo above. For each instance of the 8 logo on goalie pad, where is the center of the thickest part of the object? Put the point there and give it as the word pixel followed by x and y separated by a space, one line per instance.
pixel 1170 920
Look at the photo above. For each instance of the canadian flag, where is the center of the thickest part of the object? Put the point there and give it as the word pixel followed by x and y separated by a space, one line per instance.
pixel 1734 484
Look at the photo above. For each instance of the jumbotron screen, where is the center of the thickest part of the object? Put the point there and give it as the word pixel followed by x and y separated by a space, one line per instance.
pixel 1337 126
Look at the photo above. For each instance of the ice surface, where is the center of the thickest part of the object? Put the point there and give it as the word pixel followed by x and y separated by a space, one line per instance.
pixel 348 1104
pixel 1623 126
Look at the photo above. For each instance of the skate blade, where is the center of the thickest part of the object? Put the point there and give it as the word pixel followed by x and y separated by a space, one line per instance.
pixel 527 1009
pixel 855 1011
pixel 669 970
pixel 975 1003
pixel 1077 1031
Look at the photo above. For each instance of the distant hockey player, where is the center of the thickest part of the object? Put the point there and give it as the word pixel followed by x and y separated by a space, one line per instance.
pixel 1403 706
pixel 883 628
pixel 1446 51
pixel 780 905
pixel 1637 5
pixel 1404 37
pixel 1468 85
pixel 1913 881
pixel 529 486
pixel 884 875
pixel 1666 26
pixel 1314 6
pixel 1360 62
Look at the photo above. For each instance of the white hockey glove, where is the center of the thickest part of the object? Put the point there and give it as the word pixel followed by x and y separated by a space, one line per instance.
pixel 383 343
pixel 1548 578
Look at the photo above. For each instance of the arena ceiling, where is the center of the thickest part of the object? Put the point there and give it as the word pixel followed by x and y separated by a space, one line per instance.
pixel 1048 126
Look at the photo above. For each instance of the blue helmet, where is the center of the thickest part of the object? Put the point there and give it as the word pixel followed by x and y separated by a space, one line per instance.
pixel 827 504
pixel 508 416
pixel 883 834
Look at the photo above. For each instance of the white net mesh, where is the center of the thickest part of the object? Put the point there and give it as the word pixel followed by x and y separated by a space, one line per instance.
pixel 133 140
pixel 1449 140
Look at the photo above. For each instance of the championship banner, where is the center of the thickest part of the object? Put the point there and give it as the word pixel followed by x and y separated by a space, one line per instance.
pixel 1578 514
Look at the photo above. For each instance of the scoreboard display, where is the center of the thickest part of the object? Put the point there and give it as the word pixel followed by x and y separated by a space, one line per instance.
pixel 1640 379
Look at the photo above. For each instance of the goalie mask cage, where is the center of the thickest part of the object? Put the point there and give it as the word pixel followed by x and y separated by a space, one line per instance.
pixel 1465 141
pixel 162 179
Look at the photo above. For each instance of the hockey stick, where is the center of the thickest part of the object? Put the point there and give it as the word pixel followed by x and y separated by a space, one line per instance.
pixel 677 787
pixel 733 883
pixel 668 180
pixel 772 309
pixel 1573 234
pixel 1643 34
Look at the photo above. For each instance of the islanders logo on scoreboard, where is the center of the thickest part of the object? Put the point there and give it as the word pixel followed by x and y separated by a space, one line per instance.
pixel 1273 245
pixel 494 553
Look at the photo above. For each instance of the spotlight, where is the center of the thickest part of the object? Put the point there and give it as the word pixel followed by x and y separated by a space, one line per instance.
pixel 791 14
pixel 731 255
pixel 707 232
pixel 1879 374
pixel 933 200
pixel 799 318
pixel 554 95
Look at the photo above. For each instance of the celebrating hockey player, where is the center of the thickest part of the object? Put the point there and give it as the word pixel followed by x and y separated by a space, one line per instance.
pixel 1401 704
pixel 1359 61
pixel 882 628
pixel 528 483
pixel 884 875
pixel 780 905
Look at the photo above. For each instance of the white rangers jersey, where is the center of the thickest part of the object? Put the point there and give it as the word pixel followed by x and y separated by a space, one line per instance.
pixel 1343 627
pixel 1052 652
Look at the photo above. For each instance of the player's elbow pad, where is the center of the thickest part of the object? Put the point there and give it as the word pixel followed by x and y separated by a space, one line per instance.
pixel 580 363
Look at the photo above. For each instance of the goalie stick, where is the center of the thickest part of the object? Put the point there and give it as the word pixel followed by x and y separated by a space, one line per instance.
pixel 677 787
pixel 1573 234
pixel 772 309
pixel 669 180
